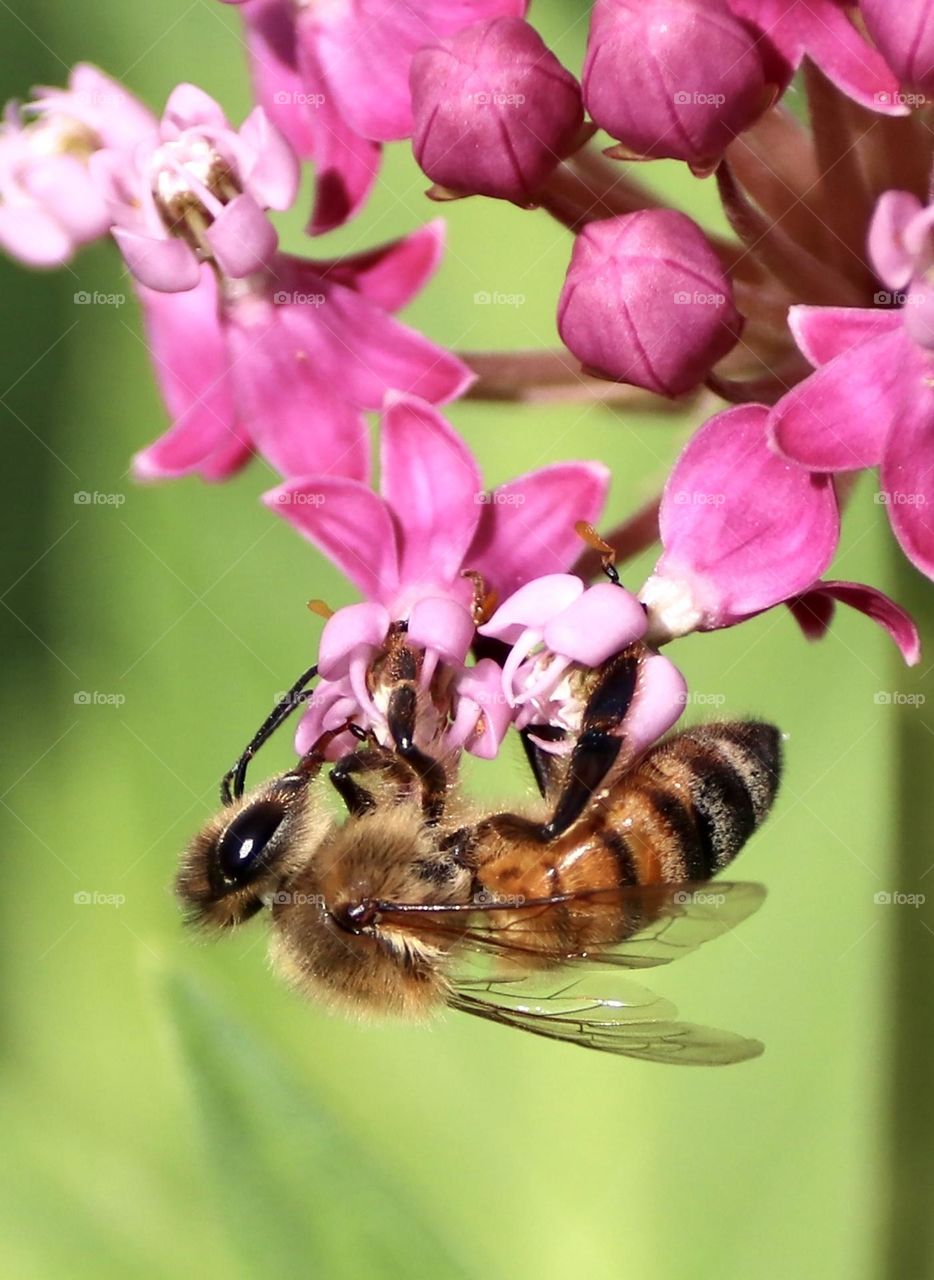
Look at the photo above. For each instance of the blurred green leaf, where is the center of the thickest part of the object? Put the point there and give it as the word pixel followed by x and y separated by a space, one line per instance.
pixel 297 1193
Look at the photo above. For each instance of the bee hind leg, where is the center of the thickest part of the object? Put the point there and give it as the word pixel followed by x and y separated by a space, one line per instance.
pixel 401 717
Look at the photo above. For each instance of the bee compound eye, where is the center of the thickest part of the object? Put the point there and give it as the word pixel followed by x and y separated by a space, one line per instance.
pixel 242 846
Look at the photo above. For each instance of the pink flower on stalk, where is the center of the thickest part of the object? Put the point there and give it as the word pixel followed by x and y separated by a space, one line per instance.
pixel 822 31
pixel 647 302
pixel 871 400
pixel 904 34
pixel 286 362
pixel 335 79
pixel 50 204
pixel 743 530
pixel 677 78
pixel 408 547
pixel 198 192
pixel 494 111
pixel 559 631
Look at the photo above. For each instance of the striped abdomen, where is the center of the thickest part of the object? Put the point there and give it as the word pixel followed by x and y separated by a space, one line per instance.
pixel 681 814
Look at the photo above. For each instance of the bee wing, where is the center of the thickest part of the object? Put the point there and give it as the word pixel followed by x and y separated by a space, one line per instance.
pixel 608 1030
pixel 659 923
pixel 549 993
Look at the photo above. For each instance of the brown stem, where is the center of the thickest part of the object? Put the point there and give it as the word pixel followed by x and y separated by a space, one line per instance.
pixel 627 540
pixel 895 151
pixel 846 202
pixel 806 277
pixel 766 390
pixel 542 377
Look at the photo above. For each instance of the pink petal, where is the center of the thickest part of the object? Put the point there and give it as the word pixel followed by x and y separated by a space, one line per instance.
pixel 818 603
pixel 242 238
pixel 392 274
pixel 601 622
pixel 167 265
pixel 840 417
pixel 367 353
pixel 299 417
pixel 432 485
pixel 887 250
pixel 532 606
pixel 189 354
pixel 65 189
pixel 527 528
pixel 119 118
pixel 31 236
pixel 480 690
pixel 331 705
pixel 188 105
pixel 443 626
pixel 274 175
pixel 349 523
pixel 743 528
pixel 825 332
pixel 659 700
pixel 908 469
pixel 349 629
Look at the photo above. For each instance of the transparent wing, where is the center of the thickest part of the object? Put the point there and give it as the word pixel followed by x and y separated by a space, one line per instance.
pixel 654 924
pixel 552 993
pixel 604 1026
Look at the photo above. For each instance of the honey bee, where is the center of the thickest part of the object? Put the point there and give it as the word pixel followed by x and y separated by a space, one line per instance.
pixel 391 912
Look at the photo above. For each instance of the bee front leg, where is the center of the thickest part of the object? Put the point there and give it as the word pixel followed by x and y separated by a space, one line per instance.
pixel 401 718
pixel 376 760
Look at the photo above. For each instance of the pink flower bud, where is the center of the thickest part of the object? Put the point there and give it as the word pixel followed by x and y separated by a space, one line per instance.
pixel 904 35
pixel 494 110
pixel 646 301
pixel 677 78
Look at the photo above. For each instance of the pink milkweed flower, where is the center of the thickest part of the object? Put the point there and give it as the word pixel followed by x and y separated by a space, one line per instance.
pixel 408 549
pixel 494 111
pixel 335 79
pixel 559 632
pixel 50 203
pixel 904 35
pixel 822 31
pixel 677 78
pixel 647 302
pixel 286 362
pixel 743 530
pixel 198 192
pixel 870 402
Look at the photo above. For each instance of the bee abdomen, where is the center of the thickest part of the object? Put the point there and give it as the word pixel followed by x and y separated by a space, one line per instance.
pixel 707 790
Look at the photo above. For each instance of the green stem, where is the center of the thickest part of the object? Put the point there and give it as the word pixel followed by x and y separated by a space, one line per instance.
pixel 909 1239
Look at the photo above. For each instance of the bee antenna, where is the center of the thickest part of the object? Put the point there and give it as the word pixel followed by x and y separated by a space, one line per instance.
pixel 234 780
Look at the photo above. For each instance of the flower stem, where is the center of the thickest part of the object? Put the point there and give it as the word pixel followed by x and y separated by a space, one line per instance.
pixel 555 377
pixel 909 1096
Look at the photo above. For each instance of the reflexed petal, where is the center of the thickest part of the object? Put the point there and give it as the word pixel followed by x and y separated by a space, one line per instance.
pixel 908 471
pixel 527 528
pixel 533 605
pixel 814 611
pixel 746 528
pixel 118 118
pixel 331 705
pixel 432 484
pixel 31 236
pixel 392 274
pixel 825 332
pixel 840 417
pixel 188 105
pixel 600 622
pixel 189 354
pixel 65 189
pixel 300 418
pixel 349 523
pixel 483 714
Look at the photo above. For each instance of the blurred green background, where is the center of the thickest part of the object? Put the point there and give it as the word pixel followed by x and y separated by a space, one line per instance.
pixel 167 1107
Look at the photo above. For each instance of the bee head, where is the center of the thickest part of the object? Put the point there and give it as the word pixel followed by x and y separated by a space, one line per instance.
pixel 240 857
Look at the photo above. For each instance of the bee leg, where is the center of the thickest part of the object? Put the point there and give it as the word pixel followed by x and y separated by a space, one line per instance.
pixel 234 780
pixel 357 798
pixel 400 717
pixel 598 745
pixel 545 765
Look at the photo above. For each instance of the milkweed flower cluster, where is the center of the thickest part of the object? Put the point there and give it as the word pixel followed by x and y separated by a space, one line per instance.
pixel 809 328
